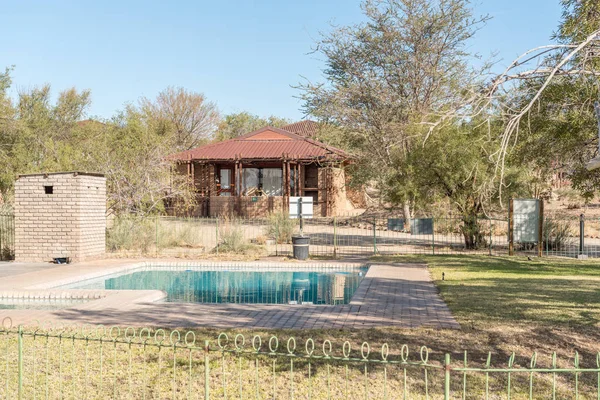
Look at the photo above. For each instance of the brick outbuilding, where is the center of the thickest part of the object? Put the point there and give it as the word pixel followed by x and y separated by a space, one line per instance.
pixel 60 215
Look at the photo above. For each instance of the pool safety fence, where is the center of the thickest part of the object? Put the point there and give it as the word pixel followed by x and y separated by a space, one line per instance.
pixel 94 362
pixel 7 236
pixel 329 237
pixel 340 237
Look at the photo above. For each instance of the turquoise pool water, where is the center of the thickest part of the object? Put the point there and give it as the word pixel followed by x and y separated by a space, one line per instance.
pixel 255 287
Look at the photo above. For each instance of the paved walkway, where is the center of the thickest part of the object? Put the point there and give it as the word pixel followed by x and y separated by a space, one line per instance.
pixel 400 295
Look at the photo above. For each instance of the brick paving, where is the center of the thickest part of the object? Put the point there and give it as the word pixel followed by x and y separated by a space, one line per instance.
pixel 399 295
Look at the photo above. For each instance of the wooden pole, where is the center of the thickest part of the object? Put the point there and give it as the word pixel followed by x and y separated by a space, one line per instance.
pixel 235 178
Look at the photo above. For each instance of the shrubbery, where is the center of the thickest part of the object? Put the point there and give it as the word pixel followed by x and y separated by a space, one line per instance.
pixel 281 227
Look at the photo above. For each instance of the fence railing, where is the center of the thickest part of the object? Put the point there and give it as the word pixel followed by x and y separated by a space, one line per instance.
pixel 86 362
pixel 329 237
pixel 7 236
pixel 348 236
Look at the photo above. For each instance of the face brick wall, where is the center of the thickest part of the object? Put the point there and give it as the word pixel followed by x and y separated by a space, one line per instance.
pixel 60 215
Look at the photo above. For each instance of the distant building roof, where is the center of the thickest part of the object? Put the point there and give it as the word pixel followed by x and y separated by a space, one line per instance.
pixel 267 143
pixel 305 128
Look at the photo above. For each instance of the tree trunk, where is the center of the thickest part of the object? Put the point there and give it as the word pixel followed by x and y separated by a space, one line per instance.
pixel 473 236
pixel 407 216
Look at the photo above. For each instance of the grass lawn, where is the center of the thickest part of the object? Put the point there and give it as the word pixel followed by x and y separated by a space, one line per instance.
pixel 510 304
pixel 504 305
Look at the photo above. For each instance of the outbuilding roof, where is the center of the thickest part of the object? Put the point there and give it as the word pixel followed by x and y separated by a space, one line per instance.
pixel 267 143
pixel 306 128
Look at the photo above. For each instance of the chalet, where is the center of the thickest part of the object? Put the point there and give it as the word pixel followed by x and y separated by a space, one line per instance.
pixel 255 174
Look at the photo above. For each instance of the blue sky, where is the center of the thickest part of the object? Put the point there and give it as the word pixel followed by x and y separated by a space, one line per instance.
pixel 244 55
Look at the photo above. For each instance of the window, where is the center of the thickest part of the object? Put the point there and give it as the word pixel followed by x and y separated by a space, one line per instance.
pixel 225 178
pixel 48 189
pixel 262 181
pixel 225 186
pixel 272 181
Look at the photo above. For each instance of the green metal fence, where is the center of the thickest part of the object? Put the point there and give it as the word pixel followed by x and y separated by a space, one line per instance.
pixel 329 237
pixel 7 236
pixel 93 362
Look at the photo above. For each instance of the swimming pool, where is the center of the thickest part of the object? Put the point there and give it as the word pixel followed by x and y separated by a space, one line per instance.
pixel 223 285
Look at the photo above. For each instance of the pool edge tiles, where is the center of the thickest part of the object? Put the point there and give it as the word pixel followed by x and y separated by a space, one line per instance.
pixel 234 283
pixel 60 283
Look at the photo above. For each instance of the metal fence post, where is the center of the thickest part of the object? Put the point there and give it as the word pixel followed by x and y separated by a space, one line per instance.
pixel 20 360
pixel 334 237
pixel 374 236
pixel 447 377
pixel 217 234
pixel 156 234
pixel 490 244
pixel 433 235
pixel 511 248
pixel 206 371
pixel 581 233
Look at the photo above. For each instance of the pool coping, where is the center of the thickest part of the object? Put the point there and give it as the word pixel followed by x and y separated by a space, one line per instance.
pixel 384 297
pixel 54 289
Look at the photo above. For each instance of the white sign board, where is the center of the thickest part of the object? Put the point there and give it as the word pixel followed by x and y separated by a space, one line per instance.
pixel 526 213
pixel 307 207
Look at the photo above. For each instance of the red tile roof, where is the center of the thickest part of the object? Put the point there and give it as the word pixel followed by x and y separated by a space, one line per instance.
pixel 305 128
pixel 264 144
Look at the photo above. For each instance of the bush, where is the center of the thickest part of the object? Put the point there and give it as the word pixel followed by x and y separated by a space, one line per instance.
pixel 557 234
pixel 131 233
pixel 233 240
pixel 178 233
pixel 280 227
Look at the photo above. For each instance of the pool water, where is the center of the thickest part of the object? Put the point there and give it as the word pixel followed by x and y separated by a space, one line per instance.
pixel 255 287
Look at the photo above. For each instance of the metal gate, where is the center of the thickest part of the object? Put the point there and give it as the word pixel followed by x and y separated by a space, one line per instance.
pixel 7 236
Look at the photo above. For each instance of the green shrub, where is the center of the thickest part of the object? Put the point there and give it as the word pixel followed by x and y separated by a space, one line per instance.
pixel 232 240
pixel 178 233
pixel 280 227
pixel 131 233
pixel 557 234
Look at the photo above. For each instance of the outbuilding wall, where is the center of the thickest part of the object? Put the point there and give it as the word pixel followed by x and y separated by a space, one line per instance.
pixel 68 222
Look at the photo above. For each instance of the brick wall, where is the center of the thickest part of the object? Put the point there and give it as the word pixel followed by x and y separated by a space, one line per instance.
pixel 245 207
pixel 69 222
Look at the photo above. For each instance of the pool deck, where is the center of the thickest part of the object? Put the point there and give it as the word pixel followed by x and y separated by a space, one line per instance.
pixel 398 295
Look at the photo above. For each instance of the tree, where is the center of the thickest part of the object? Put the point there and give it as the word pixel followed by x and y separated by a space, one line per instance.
pixel 454 166
pixel 132 156
pixel 39 135
pixel 187 116
pixel 238 124
pixel 388 76
pixel 517 93
pixel 550 113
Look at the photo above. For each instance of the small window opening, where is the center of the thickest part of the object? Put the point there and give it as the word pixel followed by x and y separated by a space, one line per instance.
pixel 49 189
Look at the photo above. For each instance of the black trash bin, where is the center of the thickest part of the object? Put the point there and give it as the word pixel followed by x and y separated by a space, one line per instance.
pixel 300 245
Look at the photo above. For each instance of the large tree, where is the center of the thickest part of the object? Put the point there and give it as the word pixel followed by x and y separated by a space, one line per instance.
pixel 386 78
pixel 237 124
pixel 41 135
pixel 559 130
pixel 453 167
pixel 188 117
